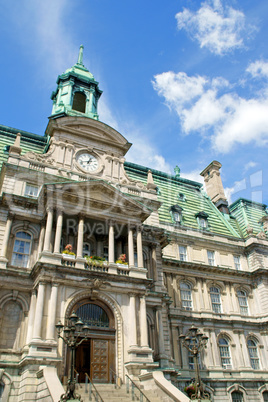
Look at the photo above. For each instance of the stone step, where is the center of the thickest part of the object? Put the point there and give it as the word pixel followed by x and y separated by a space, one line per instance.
pixel 111 394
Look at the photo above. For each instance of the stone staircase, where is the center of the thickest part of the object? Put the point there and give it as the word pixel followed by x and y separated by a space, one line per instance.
pixel 109 393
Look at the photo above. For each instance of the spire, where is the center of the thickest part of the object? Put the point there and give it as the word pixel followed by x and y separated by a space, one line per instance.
pixel 80 56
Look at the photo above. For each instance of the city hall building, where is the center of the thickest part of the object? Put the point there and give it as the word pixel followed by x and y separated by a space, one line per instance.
pixel 139 255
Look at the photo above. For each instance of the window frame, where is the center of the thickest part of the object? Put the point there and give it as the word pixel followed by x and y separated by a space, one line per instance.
pixel 242 306
pixel 253 357
pixel 14 260
pixel 215 304
pixel 182 252
pixel 202 217
pixel 237 262
pixel 186 302
pixel 33 186
pixel 225 353
pixel 211 259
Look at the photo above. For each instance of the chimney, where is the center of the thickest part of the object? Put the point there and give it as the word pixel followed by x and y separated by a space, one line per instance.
pixel 214 186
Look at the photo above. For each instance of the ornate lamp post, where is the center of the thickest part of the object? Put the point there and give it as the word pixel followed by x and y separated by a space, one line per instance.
pixel 74 333
pixel 194 341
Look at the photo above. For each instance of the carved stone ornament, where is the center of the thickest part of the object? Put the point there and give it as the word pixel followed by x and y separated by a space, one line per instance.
pixel 43 158
pixel 261 235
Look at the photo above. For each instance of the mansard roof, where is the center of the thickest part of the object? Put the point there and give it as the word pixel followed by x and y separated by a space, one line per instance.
pixel 29 142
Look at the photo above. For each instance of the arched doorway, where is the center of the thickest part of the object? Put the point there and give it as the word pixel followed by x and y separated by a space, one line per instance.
pixel 96 355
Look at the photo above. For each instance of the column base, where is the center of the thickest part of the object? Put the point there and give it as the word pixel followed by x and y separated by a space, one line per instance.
pixel 44 349
pixel 140 354
pixel 3 262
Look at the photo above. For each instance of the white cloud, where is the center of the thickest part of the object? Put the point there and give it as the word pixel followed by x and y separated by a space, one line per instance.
pixel 193 175
pixel 258 69
pixel 212 108
pixel 238 186
pixel 215 26
pixel 249 166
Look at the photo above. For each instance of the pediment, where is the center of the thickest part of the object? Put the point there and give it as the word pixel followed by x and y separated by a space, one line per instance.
pixel 100 197
pixel 83 129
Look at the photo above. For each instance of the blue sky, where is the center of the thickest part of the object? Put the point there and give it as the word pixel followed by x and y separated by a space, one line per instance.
pixel 185 81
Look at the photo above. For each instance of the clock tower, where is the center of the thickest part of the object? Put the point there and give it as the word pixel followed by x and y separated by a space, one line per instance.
pixel 77 93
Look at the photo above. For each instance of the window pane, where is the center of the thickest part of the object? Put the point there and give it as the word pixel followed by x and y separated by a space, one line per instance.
pixel 182 252
pixel 21 249
pixel 253 354
pixel 186 296
pixel 215 300
pixel 211 257
pixel 237 262
pixel 224 352
pixel 31 191
pixel 237 396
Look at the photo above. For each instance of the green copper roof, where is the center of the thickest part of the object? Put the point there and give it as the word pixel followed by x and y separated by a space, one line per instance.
pixel 187 194
pixel 248 215
pixel 29 142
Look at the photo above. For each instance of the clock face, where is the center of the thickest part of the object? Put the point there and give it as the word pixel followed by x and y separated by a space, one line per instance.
pixel 88 162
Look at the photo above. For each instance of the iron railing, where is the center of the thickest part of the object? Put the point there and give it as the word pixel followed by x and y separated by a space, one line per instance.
pixel 130 383
pixel 92 390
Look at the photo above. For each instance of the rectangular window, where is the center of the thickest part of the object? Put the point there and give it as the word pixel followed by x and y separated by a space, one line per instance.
pixel 183 253
pixel 31 191
pixel 211 257
pixel 237 262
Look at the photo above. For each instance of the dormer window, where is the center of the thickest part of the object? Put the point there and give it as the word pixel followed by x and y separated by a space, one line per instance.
pixel 79 102
pixel 202 220
pixel 181 197
pixel 176 214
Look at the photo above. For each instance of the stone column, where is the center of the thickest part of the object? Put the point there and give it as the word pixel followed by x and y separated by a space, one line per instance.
pixel 111 243
pixel 215 349
pixel 177 357
pixel 143 323
pixel 41 239
pixel 236 307
pixel 139 248
pixel 206 296
pixel 160 331
pixel 48 229
pixel 39 311
pixel 200 293
pixel 244 349
pixel 80 237
pixel 51 320
pixel 132 321
pixel 130 247
pixel 58 232
pixel 6 235
pixel 154 266
pixel 31 318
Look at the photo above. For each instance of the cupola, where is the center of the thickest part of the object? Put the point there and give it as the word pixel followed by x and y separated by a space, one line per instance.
pixel 77 93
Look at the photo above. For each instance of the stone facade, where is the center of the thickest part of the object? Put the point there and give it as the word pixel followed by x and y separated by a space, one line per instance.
pixel 188 260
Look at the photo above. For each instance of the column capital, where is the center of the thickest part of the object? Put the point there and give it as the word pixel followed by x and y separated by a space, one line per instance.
pixel 111 222
pixel 11 215
pixel 49 208
pixel 139 227
pixel 81 215
pixel 55 284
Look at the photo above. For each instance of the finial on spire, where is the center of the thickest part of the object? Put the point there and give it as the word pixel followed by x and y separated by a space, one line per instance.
pixel 80 57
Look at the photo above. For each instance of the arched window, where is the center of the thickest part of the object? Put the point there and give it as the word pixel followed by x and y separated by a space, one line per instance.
pixel 186 295
pixel 215 297
pixel 21 249
pixel 237 396
pixel 225 353
pixel 93 315
pixel 79 102
pixel 265 396
pixel 243 303
pixel 253 354
pixel 10 325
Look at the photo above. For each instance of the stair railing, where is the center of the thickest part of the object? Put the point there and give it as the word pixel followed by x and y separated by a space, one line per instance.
pixel 116 380
pixel 93 392
pixel 130 383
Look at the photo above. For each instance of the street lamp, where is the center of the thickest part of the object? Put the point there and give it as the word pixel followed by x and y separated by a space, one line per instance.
pixel 194 341
pixel 74 333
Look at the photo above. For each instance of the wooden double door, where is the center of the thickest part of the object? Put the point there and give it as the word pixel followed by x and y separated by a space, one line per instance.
pixel 96 356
